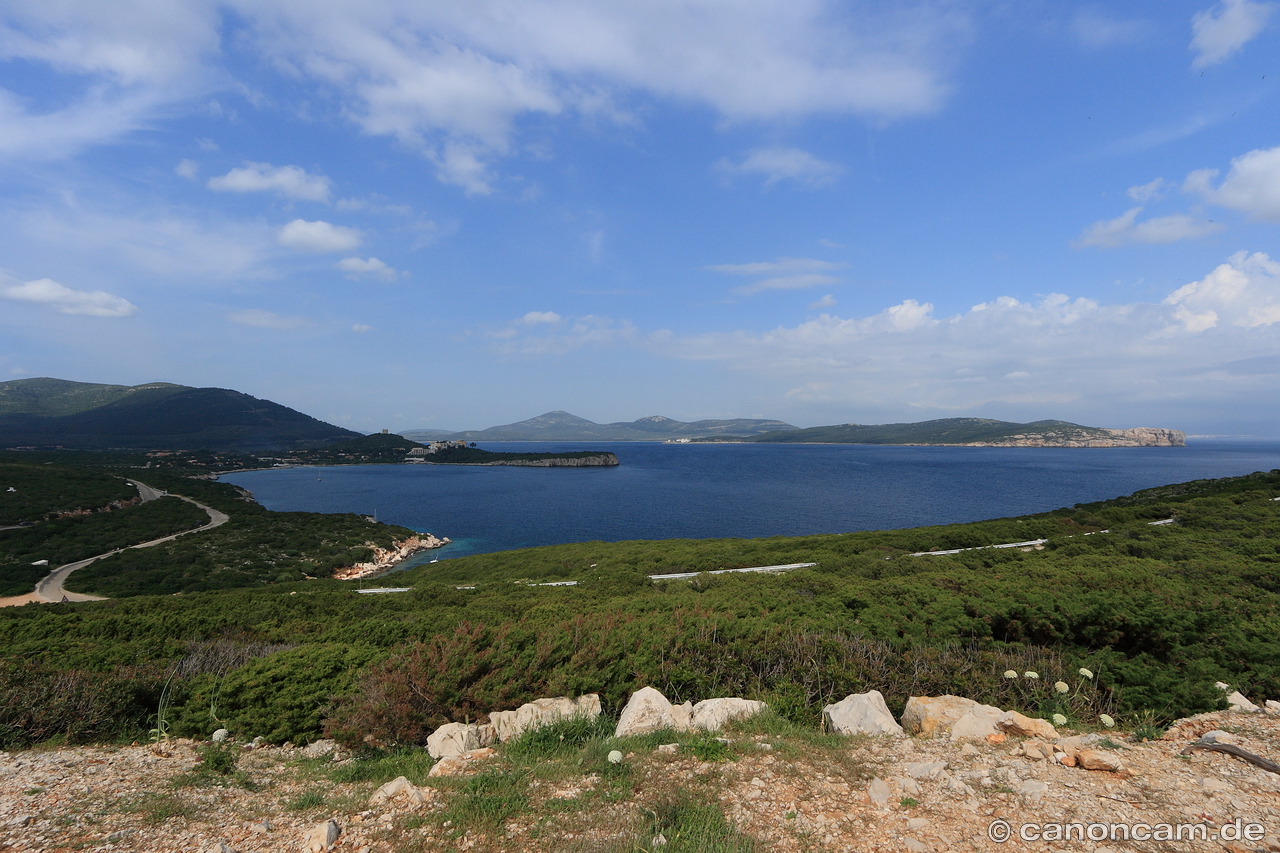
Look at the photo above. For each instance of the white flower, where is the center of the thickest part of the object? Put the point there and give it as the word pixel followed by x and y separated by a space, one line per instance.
pixel 615 757
pixel 1059 720
pixel 1107 721
pixel 1061 687
pixel 1009 673
pixel 1030 674
pixel 1087 673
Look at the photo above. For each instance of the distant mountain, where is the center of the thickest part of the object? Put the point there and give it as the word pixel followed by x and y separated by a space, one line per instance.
pixel 981 432
pixel 158 416
pixel 562 426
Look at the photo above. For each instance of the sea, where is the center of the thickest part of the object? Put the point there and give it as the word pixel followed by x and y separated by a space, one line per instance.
pixel 698 491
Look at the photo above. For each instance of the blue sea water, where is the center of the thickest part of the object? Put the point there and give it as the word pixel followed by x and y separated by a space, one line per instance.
pixel 663 491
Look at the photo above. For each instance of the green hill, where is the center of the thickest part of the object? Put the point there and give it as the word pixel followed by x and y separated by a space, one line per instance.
pixel 156 416
pixel 979 431
pixel 562 426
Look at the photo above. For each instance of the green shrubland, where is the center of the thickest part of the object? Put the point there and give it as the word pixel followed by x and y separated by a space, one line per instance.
pixel 1156 613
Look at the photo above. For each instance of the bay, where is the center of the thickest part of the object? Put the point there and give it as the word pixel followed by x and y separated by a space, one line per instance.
pixel 665 491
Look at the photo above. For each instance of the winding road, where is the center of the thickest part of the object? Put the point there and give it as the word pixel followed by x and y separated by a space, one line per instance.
pixel 51 590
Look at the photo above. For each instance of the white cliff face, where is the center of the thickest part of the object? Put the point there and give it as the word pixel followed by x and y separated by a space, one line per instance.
pixel 1134 437
pixel 385 558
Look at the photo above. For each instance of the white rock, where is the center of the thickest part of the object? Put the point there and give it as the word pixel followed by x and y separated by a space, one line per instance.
pixel 319 748
pixel 1217 736
pixel 1272 706
pixel 861 714
pixel 454 739
pixel 222 847
pixel 508 725
pixel 1238 702
pixel 649 711
pixel 1017 724
pixel 322 837
pixel 397 787
pixel 924 769
pixel 879 791
pixel 961 718
pixel 710 715
pixel 1099 759
pixel 977 724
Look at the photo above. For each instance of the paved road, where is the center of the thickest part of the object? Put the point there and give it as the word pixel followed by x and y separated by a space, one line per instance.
pixel 50 589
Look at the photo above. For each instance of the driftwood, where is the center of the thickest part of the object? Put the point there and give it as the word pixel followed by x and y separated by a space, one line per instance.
pixel 1231 749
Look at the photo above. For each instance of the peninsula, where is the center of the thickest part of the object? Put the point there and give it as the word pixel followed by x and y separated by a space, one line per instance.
pixel 975 432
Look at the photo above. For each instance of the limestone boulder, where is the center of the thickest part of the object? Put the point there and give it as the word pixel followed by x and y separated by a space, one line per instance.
pixel 1017 724
pixel 956 716
pixel 1099 759
pixel 711 715
pixel 322 837
pixel 456 738
pixel 1237 702
pixel 508 725
pixel 649 711
pixel 861 714
pixel 402 788
pixel 461 765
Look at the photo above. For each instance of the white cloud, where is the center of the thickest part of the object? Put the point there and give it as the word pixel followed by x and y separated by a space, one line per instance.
pixel 1252 186
pixel 780 267
pixel 1095 30
pixel 318 236
pixel 371 268
pixel 788 282
pixel 65 300
pixel 1245 291
pixel 785 164
pixel 782 274
pixel 260 319
pixel 1221 31
pixel 1144 193
pixel 825 302
pixel 540 333
pixel 207 144
pixel 187 169
pixel 288 181
pixel 1163 229
pixel 360 328
pixel 455 81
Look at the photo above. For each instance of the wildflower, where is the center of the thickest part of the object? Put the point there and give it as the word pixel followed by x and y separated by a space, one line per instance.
pixel 1061 687
pixel 615 757
pixel 1009 673
pixel 1059 720
pixel 1030 674
pixel 1087 673
pixel 1107 721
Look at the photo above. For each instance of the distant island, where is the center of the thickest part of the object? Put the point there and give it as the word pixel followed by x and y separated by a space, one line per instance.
pixel 389 447
pixel 562 426
pixel 975 432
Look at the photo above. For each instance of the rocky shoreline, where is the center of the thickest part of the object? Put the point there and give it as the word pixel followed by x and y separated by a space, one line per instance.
pixel 385 559
pixel 1135 437
pixel 599 460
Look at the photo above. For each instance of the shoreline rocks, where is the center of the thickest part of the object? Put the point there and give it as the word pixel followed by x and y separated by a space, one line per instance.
pixel 387 558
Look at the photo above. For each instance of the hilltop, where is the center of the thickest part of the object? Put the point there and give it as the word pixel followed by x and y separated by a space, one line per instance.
pixel 47 413
pixel 979 432
pixel 562 426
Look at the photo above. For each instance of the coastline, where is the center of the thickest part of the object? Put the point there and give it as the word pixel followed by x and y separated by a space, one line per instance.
pixel 386 559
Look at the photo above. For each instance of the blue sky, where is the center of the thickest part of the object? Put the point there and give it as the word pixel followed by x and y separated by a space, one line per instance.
pixel 395 213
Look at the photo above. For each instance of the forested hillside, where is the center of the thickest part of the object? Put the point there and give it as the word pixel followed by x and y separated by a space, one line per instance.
pixel 1158 611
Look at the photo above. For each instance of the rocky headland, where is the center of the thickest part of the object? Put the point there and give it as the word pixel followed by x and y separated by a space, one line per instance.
pixel 387 558
pixel 1134 437
pixel 596 460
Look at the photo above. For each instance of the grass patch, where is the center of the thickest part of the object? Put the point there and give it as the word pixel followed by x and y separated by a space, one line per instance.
pixel 219 767
pixel 678 823
pixel 312 799
pixel 487 801
pixel 380 766
pixel 158 808
pixel 561 739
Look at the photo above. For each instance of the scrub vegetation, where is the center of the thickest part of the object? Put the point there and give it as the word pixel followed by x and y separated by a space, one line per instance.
pixel 1156 612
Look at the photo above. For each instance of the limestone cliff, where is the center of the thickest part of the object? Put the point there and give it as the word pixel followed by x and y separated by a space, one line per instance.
pixel 385 558
pixel 1096 437
pixel 599 460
